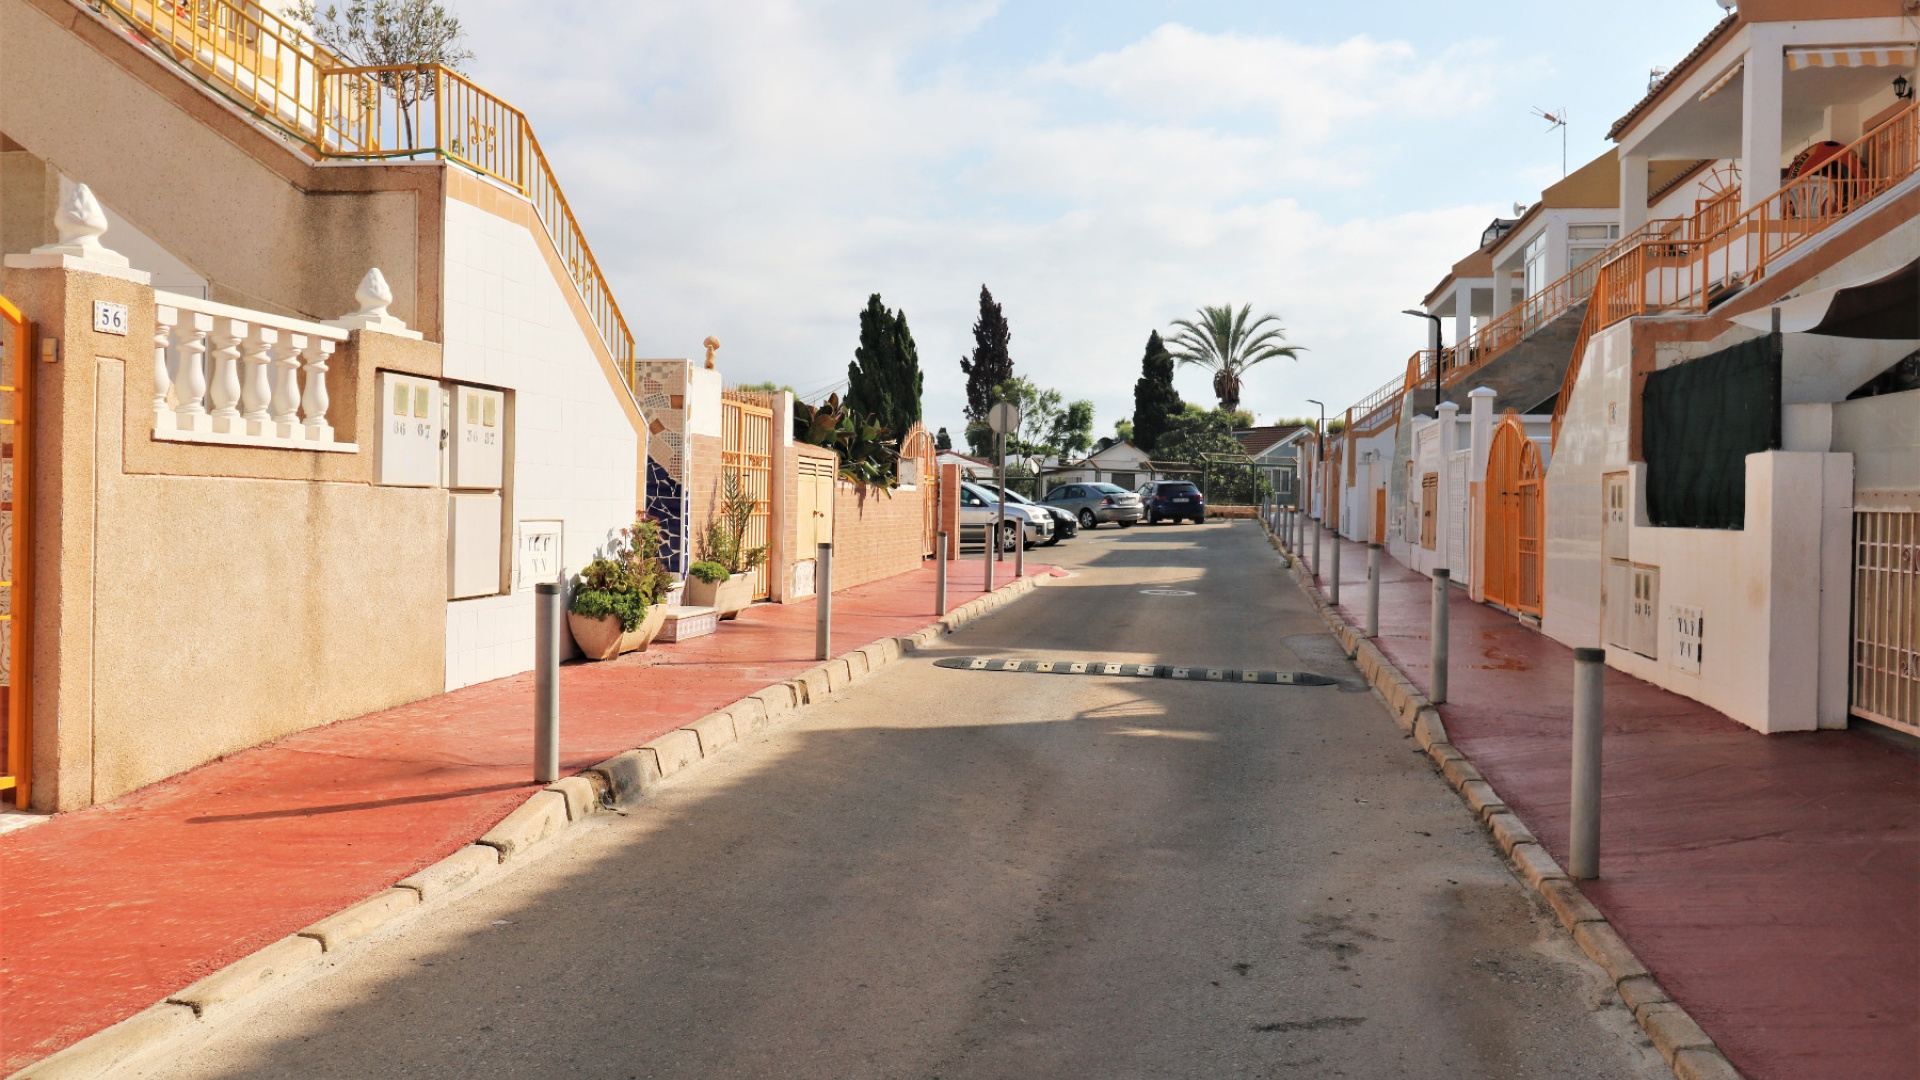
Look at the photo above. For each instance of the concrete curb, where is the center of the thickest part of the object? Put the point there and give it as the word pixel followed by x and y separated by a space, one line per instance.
pixel 1687 1048
pixel 620 781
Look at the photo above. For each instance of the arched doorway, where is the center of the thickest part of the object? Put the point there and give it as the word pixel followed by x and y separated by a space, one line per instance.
pixel 1514 518
pixel 16 607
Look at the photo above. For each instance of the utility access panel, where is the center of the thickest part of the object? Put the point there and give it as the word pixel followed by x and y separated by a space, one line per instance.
pixel 479 437
pixel 407 448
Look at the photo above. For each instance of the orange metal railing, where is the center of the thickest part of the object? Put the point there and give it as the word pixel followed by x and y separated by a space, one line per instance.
pixel 16 578
pixel 272 69
pixel 1721 252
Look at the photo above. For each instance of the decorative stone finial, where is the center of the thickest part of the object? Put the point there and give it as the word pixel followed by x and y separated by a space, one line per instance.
pixel 81 222
pixel 373 295
pixel 712 343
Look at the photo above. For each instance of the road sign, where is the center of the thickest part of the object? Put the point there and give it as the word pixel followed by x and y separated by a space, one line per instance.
pixel 1004 418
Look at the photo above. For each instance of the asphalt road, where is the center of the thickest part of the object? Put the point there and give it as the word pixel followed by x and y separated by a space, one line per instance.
pixel 948 873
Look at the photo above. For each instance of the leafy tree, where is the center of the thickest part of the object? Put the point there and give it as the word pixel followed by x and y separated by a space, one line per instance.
pixel 1122 432
pixel 1154 398
pixel 391 33
pixel 883 381
pixel 989 366
pixel 1227 345
pixel 1204 439
pixel 1071 434
pixel 943 441
pixel 869 454
pixel 770 387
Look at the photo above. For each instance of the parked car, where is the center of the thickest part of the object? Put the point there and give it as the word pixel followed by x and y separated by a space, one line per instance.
pixel 1065 525
pixel 1095 503
pixel 980 510
pixel 1173 500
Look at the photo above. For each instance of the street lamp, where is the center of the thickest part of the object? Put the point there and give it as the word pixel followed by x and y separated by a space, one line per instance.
pixel 1435 339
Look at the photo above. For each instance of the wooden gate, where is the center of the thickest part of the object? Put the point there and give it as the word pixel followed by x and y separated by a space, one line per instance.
pixel 16 578
pixel 1514 525
pixel 746 459
pixel 1886 618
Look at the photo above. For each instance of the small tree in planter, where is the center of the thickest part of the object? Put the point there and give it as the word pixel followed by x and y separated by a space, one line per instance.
pixel 616 600
pixel 719 580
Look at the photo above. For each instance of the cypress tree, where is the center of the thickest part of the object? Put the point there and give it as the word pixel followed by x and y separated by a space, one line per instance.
pixel 883 381
pixel 991 364
pixel 1155 400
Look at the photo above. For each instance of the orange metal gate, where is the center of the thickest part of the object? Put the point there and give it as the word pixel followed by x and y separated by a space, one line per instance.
pixel 746 459
pixel 919 465
pixel 1514 525
pixel 16 579
pixel 1886 618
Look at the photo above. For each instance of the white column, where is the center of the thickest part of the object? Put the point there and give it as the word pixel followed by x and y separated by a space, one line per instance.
pixel 223 383
pixel 1443 513
pixel 315 366
pixel 190 373
pixel 285 408
pixel 1761 102
pixel 1462 318
pixel 1633 192
pixel 1480 428
pixel 164 320
pixel 255 390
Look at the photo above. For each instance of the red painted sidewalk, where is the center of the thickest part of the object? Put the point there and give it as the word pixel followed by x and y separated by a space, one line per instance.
pixel 1771 882
pixel 107 910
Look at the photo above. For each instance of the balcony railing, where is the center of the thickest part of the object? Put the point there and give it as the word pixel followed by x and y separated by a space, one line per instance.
pixel 1720 252
pixel 273 70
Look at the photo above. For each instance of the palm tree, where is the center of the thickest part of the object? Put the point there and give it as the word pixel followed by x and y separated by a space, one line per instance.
pixel 1225 344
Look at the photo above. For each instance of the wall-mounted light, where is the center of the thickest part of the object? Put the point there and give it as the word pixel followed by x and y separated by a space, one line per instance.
pixel 1902 89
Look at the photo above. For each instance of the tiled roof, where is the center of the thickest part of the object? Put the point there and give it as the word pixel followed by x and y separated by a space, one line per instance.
pixel 1680 71
pixel 1254 440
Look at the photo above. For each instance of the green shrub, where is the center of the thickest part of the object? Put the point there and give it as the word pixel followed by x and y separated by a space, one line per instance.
pixel 599 603
pixel 710 572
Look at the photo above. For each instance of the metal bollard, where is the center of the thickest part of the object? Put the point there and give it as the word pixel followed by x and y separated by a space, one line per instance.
pixel 1020 554
pixel 1438 692
pixel 823 603
pixel 1316 547
pixel 1589 670
pixel 989 540
pixel 1333 579
pixel 549 608
pixel 1373 590
pixel 940 577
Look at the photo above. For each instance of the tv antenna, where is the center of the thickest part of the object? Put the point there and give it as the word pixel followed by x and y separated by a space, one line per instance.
pixel 1557 120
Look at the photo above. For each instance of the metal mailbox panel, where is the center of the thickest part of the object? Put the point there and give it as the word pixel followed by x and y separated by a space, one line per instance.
pixel 479 442
pixel 407 450
pixel 473 545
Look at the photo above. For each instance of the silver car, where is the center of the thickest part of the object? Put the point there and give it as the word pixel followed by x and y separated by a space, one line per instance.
pixel 980 510
pixel 1095 503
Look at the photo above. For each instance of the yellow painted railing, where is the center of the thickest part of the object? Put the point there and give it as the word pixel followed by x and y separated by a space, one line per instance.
pixel 272 69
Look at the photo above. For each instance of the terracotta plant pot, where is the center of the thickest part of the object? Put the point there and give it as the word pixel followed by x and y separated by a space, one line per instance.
pixel 599 639
pixel 729 598
pixel 642 636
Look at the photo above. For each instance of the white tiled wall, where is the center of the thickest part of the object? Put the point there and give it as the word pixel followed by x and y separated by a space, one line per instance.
pixel 576 455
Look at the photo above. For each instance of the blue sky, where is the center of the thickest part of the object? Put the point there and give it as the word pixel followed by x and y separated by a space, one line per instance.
pixel 753 169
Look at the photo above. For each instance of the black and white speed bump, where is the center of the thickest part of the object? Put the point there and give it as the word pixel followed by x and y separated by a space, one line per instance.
pixel 1190 672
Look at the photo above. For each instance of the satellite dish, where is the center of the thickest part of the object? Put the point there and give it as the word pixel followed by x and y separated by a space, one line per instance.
pixel 1728 5
pixel 1519 208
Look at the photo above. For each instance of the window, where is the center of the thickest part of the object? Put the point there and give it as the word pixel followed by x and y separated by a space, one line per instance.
pixel 968 498
pixel 1586 241
pixel 1534 270
pixel 1125 480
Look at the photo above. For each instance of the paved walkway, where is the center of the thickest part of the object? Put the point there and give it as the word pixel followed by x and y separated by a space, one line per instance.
pixel 108 910
pixel 1771 882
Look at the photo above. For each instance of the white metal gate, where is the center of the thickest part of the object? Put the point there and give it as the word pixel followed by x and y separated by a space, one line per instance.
pixel 1886 617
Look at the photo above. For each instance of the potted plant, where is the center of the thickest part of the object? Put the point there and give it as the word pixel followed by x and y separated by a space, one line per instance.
pixel 615 606
pixel 719 580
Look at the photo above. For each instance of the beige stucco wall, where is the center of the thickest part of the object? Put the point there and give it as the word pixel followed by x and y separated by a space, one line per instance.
pixel 196 600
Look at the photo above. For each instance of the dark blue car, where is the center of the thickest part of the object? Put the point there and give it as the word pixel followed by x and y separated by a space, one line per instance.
pixel 1173 500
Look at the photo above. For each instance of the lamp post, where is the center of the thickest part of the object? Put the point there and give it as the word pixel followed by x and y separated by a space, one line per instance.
pixel 1434 345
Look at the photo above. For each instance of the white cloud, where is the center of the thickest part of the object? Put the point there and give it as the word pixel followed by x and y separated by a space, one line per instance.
pixel 755 169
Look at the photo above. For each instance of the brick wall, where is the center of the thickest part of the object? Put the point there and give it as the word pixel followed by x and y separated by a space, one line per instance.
pixel 703 487
pixel 876 533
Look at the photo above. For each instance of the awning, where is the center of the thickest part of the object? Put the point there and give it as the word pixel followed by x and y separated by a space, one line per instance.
pixel 1882 308
pixel 1898 55
pixel 1720 83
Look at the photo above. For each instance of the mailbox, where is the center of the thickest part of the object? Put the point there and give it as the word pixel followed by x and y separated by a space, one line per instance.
pixel 407 447
pixel 479 437
pixel 473 545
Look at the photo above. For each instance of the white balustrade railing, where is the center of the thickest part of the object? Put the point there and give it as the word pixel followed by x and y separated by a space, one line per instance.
pixel 227 375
